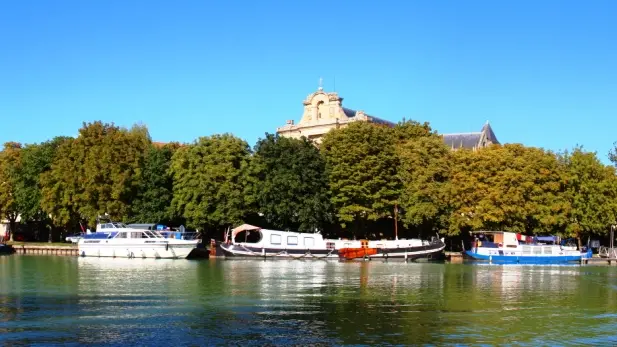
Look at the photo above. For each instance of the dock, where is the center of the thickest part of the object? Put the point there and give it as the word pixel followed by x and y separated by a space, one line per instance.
pixel 51 250
pixel 599 261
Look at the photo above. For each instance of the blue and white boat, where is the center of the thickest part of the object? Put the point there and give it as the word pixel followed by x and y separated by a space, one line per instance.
pixel 509 247
pixel 117 240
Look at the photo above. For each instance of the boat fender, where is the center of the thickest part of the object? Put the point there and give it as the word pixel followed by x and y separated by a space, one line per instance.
pixel 167 246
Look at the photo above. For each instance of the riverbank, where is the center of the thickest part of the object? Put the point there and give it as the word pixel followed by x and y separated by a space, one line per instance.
pixel 57 248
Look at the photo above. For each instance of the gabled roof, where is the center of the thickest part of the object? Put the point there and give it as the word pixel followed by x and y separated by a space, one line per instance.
pixel 471 140
pixel 462 140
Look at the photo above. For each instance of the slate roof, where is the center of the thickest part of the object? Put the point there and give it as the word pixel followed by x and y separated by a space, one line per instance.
pixel 352 113
pixel 462 140
pixel 470 140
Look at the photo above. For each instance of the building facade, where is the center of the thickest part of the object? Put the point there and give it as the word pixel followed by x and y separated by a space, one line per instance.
pixel 324 111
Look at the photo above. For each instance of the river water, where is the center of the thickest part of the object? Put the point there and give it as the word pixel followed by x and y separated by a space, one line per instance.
pixel 140 302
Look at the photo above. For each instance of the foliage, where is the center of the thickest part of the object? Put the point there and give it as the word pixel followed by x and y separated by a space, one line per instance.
pixel 409 129
pixel 591 191
pixel 509 187
pixel 152 203
pixel 10 165
pixel 290 186
pixel 35 160
pixel 97 174
pixel 361 167
pixel 424 174
pixel 209 178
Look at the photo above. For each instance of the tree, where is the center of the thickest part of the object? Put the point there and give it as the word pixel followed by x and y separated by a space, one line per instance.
pixel 424 174
pixel 152 203
pixel 10 164
pixel 289 183
pixel 36 159
pixel 509 187
pixel 409 129
pixel 96 174
pixel 591 191
pixel 209 181
pixel 361 166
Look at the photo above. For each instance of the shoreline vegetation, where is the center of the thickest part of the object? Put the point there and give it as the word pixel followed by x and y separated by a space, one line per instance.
pixel 349 186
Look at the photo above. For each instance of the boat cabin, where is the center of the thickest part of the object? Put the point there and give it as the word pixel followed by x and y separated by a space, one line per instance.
pixel 496 239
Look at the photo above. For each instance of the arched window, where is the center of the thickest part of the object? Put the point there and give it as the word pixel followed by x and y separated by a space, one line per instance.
pixel 319 107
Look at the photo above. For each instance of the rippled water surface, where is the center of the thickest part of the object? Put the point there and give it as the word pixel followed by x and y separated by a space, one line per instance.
pixel 66 300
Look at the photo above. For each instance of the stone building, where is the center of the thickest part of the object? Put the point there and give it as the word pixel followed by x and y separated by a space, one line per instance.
pixel 324 111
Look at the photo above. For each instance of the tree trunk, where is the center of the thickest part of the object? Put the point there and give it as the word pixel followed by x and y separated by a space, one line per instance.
pixel 11 227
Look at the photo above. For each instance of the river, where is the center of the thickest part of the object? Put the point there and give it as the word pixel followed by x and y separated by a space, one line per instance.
pixel 142 302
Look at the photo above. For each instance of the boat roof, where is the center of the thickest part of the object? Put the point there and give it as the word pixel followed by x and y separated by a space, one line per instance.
pixel 140 226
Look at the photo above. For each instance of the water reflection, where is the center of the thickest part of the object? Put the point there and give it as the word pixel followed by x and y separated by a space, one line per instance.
pixel 67 300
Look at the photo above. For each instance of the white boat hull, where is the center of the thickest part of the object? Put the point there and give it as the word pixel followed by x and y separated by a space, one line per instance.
pixel 157 251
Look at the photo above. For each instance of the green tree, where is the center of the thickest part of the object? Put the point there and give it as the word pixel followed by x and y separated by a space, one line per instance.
pixel 10 165
pixel 409 129
pixel 290 186
pixel 98 173
pixel 36 159
pixel 591 191
pixel 361 166
pixel 209 179
pixel 424 174
pixel 152 203
pixel 511 187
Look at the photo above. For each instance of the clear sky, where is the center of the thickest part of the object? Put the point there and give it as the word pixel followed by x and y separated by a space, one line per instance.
pixel 544 73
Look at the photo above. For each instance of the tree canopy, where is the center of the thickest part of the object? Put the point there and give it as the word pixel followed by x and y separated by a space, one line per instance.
pixel 361 166
pixel 209 181
pixel 290 187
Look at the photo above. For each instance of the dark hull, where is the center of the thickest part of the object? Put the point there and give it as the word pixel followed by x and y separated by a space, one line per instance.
pixel 6 249
pixel 434 251
pixel 233 251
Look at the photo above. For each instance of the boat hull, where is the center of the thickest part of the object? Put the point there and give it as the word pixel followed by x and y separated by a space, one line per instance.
pixel 525 259
pixel 157 251
pixel 432 251
pixel 236 251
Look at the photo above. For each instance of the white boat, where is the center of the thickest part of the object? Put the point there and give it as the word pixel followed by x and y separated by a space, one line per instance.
pixel 119 241
pixel 509 247
pixel 254 242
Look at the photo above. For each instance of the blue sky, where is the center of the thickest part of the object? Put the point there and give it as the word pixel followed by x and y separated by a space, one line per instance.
pixel 544 73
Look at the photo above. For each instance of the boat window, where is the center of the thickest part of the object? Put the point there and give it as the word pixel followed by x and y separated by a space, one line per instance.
pixel 292 240
pixel 136 235
pixel 253 236
pixel 121 235
pixel 330 245
pixel 309 241
pixel 275 239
